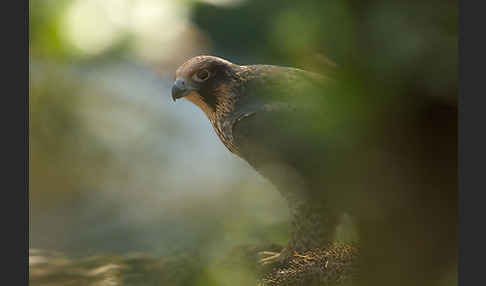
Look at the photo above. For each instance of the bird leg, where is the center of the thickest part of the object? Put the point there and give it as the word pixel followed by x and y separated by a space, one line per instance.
pixel 313 224
pixel 302 256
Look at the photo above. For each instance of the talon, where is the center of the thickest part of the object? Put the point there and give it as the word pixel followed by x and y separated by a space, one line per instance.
pixel 269 257
pixel 302 256
pixel 267 253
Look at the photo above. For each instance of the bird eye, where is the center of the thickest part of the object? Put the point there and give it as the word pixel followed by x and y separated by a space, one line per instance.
pixel 201 75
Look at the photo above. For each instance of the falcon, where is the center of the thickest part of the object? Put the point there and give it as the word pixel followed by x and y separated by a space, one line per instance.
pixel 271 117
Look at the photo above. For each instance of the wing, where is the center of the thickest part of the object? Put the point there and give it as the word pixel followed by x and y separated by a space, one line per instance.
pixel 275 84
pixel 276 124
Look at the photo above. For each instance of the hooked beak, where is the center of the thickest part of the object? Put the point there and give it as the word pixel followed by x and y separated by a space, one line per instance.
pixel 181 88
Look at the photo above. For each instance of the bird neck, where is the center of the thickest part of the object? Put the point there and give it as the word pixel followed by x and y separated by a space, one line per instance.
pixel 221 113
pixel 197 100
pixel 222 123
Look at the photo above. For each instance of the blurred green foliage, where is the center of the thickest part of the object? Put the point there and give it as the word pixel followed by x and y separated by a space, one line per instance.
pixel 116 168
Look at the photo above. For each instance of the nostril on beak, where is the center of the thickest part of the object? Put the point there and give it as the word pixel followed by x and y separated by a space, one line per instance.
pixel 179 88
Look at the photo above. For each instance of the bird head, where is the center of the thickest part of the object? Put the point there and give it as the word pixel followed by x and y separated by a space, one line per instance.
pixel 205 81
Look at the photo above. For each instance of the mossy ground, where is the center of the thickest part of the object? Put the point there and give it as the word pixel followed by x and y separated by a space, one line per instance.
pixel 328 266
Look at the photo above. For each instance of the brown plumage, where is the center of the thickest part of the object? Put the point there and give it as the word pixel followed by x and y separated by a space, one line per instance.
pixel 264 114
pixel 334 146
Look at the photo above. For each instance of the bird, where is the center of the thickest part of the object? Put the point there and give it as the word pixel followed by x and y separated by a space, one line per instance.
pixel 270 117
pixel 339 144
